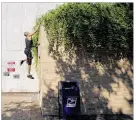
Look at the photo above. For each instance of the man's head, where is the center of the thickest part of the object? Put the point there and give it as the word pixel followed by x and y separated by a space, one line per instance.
pixel 26 33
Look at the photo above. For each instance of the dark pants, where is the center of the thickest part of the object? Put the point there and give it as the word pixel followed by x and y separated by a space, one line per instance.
pixel 29 56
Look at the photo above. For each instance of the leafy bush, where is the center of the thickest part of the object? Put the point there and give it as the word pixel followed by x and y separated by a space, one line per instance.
pixel 35 42
pixel 90 26
pixel 35 50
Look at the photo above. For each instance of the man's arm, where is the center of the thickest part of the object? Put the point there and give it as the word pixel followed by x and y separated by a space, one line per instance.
pixel 31 34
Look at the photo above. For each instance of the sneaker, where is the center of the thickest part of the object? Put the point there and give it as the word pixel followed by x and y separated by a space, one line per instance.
pixel 30 76
pixel 21 62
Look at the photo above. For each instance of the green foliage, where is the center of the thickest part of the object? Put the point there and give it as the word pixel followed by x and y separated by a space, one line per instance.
pixel 90 26
pixel 35 49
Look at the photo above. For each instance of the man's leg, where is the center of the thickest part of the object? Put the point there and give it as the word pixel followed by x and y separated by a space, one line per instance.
pixel 29 69
pixel 29 62
pixel 22 61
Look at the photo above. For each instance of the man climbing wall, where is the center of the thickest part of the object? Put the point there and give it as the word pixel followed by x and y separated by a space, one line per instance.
pixel 27 51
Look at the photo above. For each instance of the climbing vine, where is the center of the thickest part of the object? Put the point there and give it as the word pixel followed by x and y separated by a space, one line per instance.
pixel 106 26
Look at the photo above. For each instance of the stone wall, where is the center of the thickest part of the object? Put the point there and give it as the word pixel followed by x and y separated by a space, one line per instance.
pixel 105 79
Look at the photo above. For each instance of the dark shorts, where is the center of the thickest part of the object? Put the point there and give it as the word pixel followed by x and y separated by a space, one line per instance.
pixel 29 56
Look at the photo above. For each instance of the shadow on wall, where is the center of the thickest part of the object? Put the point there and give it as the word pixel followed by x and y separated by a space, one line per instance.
pixel 105 78
pixel 50 103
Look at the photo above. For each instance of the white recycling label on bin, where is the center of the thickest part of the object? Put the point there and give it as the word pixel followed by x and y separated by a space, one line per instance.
pixel 71 102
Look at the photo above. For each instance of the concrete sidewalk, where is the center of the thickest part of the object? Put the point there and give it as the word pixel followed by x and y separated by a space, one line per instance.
pixel 20 106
